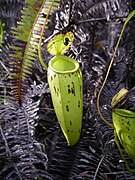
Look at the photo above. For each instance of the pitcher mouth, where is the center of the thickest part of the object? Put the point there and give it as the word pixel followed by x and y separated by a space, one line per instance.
pixel 124 113
pixel 63 64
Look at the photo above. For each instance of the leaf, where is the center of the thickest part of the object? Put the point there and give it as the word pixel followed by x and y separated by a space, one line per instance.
pixel 28 36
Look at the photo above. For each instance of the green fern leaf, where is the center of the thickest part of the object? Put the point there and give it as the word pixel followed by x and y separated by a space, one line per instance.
pixel 28 36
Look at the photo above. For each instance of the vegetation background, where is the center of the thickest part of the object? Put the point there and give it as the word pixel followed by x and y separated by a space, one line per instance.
pixel 32 145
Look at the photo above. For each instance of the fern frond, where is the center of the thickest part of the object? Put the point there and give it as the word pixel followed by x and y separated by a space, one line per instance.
pixel 101 8
pixel 28 35
pixel 22 156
